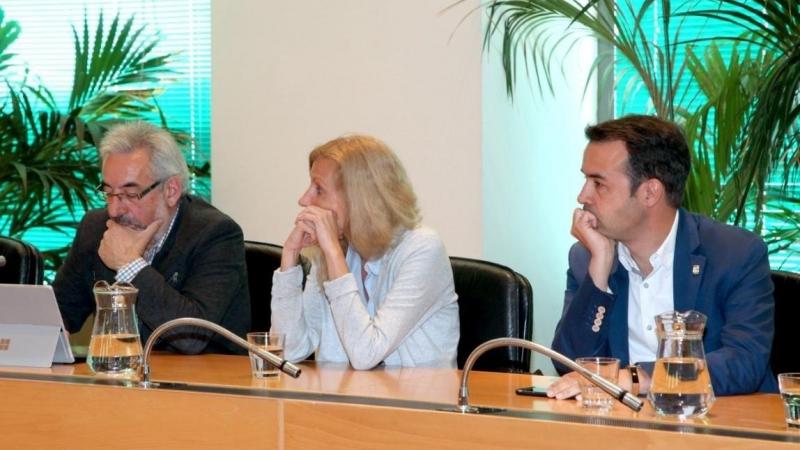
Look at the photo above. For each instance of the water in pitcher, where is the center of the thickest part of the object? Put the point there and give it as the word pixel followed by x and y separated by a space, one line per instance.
pixel 115 354
pixel 682 387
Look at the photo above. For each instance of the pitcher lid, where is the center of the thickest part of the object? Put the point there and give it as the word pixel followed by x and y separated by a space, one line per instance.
pixel 678 322
pixel 119 287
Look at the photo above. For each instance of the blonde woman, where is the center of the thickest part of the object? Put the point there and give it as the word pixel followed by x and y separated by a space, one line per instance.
pixel 380 289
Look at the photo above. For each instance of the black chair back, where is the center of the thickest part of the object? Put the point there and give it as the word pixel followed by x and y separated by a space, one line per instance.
pixel 785 357
pixel 262 260
pixel 20 262
pixel 493 301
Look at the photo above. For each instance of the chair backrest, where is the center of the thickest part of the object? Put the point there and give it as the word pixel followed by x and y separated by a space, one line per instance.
pixel 262 260
pixel 493 301
pixel 785 357
pixel 20 262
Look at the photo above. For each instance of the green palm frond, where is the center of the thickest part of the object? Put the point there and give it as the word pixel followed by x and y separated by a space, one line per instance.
pixel 115 69
pixel 528 33
pixel 715 129
pixel 784 235
pixel 40 163
pixel 9 30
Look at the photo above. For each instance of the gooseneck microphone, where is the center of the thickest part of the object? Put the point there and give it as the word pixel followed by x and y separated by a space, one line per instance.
pixel 282 364
pixel 612 389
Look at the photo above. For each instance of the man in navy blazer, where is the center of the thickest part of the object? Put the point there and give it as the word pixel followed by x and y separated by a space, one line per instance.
pixel 640 254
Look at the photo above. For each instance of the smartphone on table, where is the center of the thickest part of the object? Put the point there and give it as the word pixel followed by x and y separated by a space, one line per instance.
pixel 534 391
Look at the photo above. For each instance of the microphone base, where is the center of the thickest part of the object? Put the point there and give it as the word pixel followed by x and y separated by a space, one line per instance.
pixel 470 409
pixel 157 384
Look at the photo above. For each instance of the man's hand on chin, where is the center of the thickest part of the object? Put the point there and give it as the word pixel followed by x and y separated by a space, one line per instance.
pixel 584 228
pixel 121 244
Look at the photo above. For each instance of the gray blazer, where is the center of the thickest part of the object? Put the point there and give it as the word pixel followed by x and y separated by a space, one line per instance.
pixel 199 272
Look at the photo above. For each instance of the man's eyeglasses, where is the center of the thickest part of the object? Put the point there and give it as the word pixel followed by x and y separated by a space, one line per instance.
pixel 105 191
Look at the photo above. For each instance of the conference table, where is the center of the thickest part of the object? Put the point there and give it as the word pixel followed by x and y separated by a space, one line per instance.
pixel 211 401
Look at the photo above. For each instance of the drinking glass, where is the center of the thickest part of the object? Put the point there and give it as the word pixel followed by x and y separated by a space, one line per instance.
pixel 593 396
pixel 271 342
pixel 790 393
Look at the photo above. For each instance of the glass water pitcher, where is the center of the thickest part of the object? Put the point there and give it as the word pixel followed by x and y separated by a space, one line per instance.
pixel 115 348
pixel 681 385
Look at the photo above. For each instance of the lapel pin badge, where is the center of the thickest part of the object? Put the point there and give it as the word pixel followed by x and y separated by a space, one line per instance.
pixel 696 269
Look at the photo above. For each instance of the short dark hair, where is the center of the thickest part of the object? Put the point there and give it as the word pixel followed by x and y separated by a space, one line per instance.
pixel 657 149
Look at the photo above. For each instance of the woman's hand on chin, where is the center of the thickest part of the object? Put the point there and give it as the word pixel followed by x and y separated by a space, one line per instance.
pixel 301 236
pixel 324 225
pixel 327 233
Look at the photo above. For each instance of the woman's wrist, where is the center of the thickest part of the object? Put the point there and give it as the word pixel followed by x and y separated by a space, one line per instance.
pixel 289 258
pixel 335 262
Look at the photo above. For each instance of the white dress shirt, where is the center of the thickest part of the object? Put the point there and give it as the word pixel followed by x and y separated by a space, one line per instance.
pixel 648 296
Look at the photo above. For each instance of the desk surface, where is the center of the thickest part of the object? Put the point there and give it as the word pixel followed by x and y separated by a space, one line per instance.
pixel 331 390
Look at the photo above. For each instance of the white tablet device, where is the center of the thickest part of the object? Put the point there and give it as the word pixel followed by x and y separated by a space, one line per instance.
pixel 31 330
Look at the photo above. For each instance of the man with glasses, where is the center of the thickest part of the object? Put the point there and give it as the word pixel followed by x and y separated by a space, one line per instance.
pixel 184 256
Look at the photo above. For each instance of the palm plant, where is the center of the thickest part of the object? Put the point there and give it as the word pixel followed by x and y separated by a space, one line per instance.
pixel 9 30
pixel 771 138
pixel 736 95
pixel 48 158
